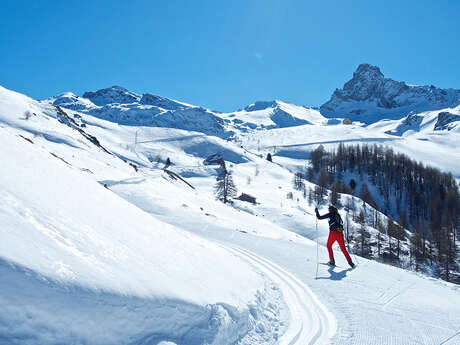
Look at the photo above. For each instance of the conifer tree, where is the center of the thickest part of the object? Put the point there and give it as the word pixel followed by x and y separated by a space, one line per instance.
pixel 298 181
pixel 225 187
pixel 323 182
pixel 335 198
pixel 416 250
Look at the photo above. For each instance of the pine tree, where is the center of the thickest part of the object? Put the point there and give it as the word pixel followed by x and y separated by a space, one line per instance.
pixel 390 231
pixel 335 198
pixel 416 249
pixel 323 182
pixel 225 187
pixel 269 157
pixel 352 185
pixel 317 158
pixel 298 181
pixel 318 195
pixel 362 235
pixel 366 195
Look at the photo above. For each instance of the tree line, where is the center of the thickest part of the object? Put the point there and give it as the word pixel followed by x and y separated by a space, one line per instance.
pixel 420 198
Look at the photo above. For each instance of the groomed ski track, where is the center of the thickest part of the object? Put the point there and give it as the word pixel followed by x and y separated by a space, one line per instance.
pixel 309 322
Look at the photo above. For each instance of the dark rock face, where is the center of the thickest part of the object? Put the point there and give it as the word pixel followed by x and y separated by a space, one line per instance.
pixel 117 104
pixel 369 97
pixel 446 121
pixel 411 122
pixel 161 102
pixel 114 94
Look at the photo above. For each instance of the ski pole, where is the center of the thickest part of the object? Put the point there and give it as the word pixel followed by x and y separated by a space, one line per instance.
pixel 317 248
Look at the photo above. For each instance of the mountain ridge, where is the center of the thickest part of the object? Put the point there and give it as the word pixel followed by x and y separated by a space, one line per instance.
pixel 369 97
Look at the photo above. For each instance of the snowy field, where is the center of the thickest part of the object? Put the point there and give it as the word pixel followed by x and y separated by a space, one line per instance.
pixel 100 245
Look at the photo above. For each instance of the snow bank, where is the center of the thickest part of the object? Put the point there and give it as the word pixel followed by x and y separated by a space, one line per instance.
pixel 80 263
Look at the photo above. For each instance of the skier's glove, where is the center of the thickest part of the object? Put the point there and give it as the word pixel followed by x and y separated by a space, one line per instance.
pixel 317 213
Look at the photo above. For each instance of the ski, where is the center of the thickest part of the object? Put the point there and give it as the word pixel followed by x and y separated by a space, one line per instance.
pixel 326 264
pixel 335 266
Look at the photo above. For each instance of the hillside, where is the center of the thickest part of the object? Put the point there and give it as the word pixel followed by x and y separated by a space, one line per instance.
pixel 128 249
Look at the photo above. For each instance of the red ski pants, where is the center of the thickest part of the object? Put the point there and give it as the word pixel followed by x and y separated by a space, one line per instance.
pixel 337 236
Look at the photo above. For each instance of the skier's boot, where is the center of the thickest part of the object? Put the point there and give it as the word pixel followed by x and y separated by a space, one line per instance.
pixel 331 263
pixel 352 265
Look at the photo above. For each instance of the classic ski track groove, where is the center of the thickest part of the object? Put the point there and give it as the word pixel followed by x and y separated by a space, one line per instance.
pixel 310 321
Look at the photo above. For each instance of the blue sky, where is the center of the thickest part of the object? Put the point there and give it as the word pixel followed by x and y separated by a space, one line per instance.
pixel 224 54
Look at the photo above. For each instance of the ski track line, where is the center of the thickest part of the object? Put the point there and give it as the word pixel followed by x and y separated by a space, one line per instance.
pixel 310 322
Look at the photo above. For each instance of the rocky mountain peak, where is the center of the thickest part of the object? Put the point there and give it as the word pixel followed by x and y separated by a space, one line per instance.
pixel 370 97
pixel 368 71
pixel 113 94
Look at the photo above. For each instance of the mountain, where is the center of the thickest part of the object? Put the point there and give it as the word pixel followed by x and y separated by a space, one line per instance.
pixel 124 107
pixel 273 114
pixel 443 123
pixel 369 97
pixel 105 243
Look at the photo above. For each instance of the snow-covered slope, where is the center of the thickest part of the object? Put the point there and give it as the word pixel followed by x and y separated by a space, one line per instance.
pixel 73 251
pixel 153 258
pixel 119 105
pixel 369 97
pixel 275 114
pixel 438 121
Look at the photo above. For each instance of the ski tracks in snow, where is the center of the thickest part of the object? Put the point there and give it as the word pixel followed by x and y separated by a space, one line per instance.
pixel 310 322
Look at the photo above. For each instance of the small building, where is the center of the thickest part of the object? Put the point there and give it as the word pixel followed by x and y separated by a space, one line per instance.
pixel 347 121
pixel 247 198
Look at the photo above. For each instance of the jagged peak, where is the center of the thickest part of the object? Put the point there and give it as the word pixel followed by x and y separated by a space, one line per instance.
pixel 368 70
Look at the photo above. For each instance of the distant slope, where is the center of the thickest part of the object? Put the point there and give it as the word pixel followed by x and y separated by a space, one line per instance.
pixel 274 114
pixel 443 121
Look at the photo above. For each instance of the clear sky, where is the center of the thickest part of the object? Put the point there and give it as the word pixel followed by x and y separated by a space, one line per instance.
pixel 224 54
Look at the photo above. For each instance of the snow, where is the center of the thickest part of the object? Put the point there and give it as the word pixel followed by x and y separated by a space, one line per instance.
pixel 275 114
pixel 154 260
pixel 82 241
pixel 369 97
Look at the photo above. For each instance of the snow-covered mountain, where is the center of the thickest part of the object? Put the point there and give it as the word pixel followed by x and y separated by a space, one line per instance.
pixel 273 114
pixel 124 107
pixel 443 121
pixel 103 242
pixel 369 97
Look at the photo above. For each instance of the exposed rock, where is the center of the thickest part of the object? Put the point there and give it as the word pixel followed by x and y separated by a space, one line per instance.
pixel 114 94
pixel 411 122
pixel 446 121
pixel 119 105
pixel 162 102
pixel 369 97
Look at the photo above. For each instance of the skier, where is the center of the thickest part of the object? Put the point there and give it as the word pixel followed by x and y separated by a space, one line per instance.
pixel 335 234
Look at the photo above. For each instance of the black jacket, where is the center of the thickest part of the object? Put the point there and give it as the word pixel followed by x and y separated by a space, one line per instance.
pixel 335 221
